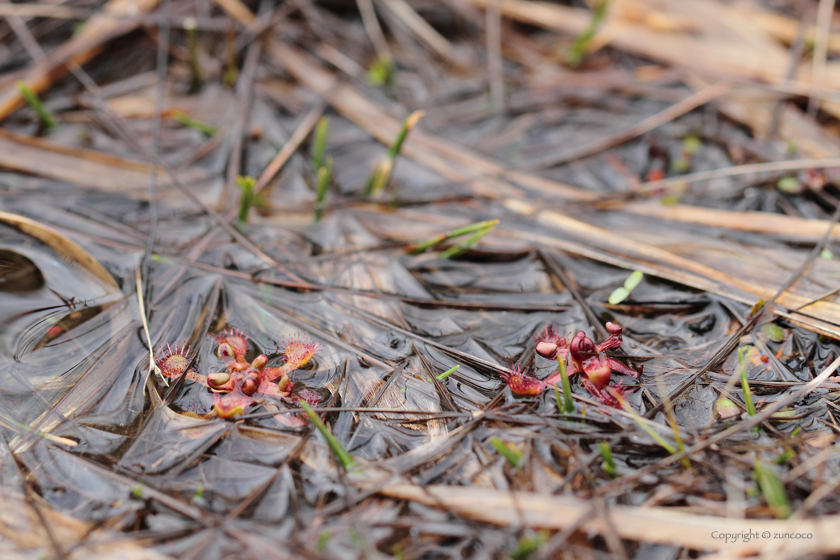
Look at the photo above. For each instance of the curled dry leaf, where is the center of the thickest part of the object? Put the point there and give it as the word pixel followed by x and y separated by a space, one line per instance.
pixel 63 245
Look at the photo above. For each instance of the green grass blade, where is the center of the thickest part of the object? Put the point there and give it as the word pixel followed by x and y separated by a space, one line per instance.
pixel 381 72
pixel 568 403
pixel 465 230
pixel 381 173
pixel 772 489
pixel 513 456
pixel 246 199
pixel 338 450
pixel 408 124
pixel 745 386
pixel 609 462
pixel 578 49
pixel 641 423
pixel 447 373
pixel 34 102
pixel 319 143
pixel 189 122
pixel 324 174
pixel 464 245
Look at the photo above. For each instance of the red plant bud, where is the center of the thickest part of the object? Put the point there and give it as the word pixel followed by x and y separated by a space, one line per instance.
pixel 216 380
pixel 547 349
pixel 249 386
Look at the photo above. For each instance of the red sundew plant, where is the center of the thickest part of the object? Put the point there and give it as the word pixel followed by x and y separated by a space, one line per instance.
pixel 582 356
pixel 244 383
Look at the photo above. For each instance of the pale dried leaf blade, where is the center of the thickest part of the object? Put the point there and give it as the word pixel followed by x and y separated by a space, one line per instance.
pixel 63 245
pixel 642 524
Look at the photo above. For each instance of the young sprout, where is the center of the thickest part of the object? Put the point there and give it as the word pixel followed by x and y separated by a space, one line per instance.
pixel 623 292
pixel 609 463
pixel 513 455
pixel 381 72
pixel 462 247
pixel 745 386
pixel 643 425
pixel 772 489
pixel 381 173
pixel 324 174
pixel 319 143
pixel 186 120
pixel 246 200
pixel 578 49
pixel 529 544
pixel 785 456
pixel 477 229
pixel 46 118
pixel 323 539
pixel 447 373
pixel 568 404
pixel 756 309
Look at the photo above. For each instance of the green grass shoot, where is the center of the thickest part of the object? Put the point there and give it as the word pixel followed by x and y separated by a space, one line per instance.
pixel 672 421
pixel 745 386
pixel 623 292
pixel 246 198
pixel 785 456
pixel 462 247
pixel 479 229
pixel 319 143
pixel 324 174
pixel 643 425
pixel 578 49
pixel 448 372
pixel 568 403
pixel 323 539
pixel 513 455
pixel 609 463
pixel 338 450
pixel 381 72
pixel 188 121
pixel 381 173
pixel 772 489
pixel 529 544
pixel 756 309
pixel 47 119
